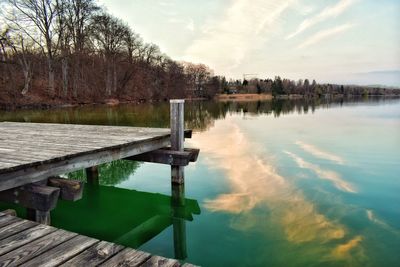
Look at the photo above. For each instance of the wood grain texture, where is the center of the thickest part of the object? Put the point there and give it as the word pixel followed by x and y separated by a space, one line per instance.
pixel 32 196
pixel 94 255
pixel 127 257
pixel 26 243
pixel 15 227
pixel 24 237
pixel 69 189
pixel 30 152
pixel 63 252
pixel 157 261
pixel 35 248
pixel 177 137
pixel 5 220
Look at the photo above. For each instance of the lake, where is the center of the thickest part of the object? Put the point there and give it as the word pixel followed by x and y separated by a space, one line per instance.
pixel 277 183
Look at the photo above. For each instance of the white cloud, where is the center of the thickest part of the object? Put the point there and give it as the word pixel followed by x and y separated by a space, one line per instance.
pixel 328 12
pixel 167 3
pixel 225 42
pixel 190 25
pixel 324 34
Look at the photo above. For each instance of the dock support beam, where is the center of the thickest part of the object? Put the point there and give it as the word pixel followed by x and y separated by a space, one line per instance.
pixel 38 199
pixel 177 137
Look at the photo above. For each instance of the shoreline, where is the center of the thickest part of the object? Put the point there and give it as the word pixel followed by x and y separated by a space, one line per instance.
pixel 107 102
pixel 115 102
pixel 243 97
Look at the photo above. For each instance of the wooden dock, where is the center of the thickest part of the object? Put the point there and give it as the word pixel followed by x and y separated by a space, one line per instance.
pixel 34 155
pixel 30 152
pixel 27 243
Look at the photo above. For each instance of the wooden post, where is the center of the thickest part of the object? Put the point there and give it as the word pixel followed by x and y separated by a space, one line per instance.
pixel 92 175
pixel 177 137
pixel 39 216
pixel 177 177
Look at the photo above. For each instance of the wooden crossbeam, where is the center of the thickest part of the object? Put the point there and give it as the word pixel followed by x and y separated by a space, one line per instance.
pixel 167 156
pixel 69 189
pixel 32 196
pixel 38 199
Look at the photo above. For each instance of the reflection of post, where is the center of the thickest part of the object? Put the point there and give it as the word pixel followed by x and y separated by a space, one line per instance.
pixel 177 137
pixel 178 221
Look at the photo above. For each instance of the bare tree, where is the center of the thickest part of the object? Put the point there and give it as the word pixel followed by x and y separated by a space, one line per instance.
pixel 22 52
pixel 41 15
pixel 78 14
pixel 109 34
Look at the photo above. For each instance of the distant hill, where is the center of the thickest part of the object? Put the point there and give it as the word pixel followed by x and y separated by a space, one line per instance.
pixel 381 78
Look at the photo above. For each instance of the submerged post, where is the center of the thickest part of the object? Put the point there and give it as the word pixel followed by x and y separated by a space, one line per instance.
pixel 177 137
pixel 178 221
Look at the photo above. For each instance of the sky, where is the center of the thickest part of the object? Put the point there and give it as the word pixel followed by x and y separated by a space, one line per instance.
pixel 340 41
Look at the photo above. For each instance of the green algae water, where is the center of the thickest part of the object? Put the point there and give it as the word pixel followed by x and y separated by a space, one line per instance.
pixel 277 183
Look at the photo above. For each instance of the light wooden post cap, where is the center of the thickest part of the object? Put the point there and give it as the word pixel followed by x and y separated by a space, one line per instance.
pixel 177 101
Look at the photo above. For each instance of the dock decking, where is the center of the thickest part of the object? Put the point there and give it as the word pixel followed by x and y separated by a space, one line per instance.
pixel 27 243
pixel 33 155
pixel 30 152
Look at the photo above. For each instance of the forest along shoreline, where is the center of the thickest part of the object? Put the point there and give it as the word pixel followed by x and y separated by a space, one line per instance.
pixel 48 59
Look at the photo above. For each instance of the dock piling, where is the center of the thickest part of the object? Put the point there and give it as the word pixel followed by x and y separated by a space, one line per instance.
pixel 92 175
pixel 178 223
pixel 177 137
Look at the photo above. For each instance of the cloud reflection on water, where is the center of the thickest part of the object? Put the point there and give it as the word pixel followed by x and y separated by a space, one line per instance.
pixel 254 181
pixel 343 251
pixel 330 175
pixel 319 153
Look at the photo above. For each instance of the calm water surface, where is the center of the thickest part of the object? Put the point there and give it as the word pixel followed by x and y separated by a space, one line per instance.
pixel 282 183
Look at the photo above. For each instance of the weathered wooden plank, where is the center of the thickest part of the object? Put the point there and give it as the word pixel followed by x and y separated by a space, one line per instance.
pixel 5 165
pixel 127 257
pixel 32 145
pixel 157 261
pixel 74 141
pixel 30 173
pixel 40 245
pixel 6 219
pixel 96 254
pixel 63 252
pixel 47 133
pixel 10 243
pixel 69 189
pixel 35 248
pixel 15 227
pixel 9 212
pixel 83 131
